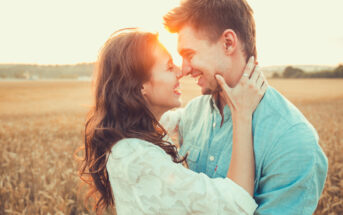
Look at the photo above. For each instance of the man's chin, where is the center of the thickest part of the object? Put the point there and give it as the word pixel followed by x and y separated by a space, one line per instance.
pixel 206 91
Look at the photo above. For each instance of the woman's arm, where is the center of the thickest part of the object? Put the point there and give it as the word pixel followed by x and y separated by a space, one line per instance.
pixel 243 100
pixel 242 165
pixel 170 120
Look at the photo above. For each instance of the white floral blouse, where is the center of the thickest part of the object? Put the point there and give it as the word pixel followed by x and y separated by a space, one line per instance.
pixel 145 180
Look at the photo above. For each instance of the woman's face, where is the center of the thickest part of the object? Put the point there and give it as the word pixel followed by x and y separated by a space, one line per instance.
pixel 162 90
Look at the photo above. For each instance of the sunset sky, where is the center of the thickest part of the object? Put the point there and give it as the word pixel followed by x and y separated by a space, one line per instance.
pixel 73 31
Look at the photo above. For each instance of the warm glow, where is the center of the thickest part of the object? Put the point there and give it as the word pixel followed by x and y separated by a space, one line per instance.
pixel 61 32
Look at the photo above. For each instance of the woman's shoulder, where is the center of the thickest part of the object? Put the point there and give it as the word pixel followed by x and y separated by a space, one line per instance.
pixel 129 147
pixel 131 157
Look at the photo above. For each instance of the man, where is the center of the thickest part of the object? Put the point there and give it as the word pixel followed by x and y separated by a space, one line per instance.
pixel 218 36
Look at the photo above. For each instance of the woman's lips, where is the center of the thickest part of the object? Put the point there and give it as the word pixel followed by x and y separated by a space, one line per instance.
pixel 177 92
pixel 177 89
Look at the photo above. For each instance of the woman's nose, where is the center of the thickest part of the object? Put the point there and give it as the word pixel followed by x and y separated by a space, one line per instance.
pixel 178 72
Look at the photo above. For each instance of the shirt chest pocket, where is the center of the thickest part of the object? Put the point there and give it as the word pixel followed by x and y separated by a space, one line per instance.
pixel 193 157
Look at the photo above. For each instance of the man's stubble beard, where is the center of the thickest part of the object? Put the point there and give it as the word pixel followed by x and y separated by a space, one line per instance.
pixel 208 91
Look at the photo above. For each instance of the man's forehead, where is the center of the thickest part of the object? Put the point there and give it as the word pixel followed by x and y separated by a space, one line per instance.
pixel 187 33
pixel 186 37
pixel 190 38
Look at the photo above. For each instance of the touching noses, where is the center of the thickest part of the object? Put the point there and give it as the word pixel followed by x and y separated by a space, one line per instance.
pixel 178 72
pixel 186 67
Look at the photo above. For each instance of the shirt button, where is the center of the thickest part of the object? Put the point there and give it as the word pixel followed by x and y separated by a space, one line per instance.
pixel 214 125
pixel 211 158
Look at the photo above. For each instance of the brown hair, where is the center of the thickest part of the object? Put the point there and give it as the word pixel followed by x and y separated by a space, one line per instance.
pixel 120 110
pixel 212 17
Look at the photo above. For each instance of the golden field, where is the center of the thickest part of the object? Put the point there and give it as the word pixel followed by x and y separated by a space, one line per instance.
pixel 41 125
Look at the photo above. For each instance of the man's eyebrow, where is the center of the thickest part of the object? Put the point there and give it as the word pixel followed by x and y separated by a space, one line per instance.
pixel 183 52
pixel 170 61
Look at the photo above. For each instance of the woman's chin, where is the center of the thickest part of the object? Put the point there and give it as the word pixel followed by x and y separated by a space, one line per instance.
pixel 176 104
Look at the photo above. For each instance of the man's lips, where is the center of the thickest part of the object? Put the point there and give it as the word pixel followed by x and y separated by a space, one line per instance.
pixel 196 74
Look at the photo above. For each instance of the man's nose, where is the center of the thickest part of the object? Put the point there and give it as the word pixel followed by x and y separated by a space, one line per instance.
pixel 178 73
pixel 186 68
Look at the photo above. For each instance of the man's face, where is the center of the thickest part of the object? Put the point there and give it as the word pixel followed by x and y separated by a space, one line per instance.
pixel 201 58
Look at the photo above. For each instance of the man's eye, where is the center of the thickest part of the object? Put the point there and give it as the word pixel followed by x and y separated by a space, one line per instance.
pixel 189 56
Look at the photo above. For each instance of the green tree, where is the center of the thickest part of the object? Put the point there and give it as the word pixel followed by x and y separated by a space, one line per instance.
pixel 338 72
pixel 292 72
pixel 276 75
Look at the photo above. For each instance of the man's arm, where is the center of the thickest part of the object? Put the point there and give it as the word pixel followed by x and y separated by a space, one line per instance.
pixel 293 174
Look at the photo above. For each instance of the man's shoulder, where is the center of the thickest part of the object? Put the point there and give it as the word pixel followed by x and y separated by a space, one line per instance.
pixel 278 111
pixel 275 104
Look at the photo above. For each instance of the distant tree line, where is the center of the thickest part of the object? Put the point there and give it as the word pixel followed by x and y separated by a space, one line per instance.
pixel 34 71
pixel 76 71
pixel 293 72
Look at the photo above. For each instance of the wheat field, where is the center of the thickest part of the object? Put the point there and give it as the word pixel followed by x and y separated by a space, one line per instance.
pixel 41 125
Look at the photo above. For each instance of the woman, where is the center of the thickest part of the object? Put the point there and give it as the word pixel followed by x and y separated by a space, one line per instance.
pixel 130 159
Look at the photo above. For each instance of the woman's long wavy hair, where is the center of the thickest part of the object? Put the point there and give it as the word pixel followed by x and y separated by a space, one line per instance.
pixel 120 110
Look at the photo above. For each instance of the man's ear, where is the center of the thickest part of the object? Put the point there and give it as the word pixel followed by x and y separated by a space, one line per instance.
pixel 229 40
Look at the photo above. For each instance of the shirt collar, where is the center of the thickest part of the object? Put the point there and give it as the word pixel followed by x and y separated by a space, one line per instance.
pixel 215 109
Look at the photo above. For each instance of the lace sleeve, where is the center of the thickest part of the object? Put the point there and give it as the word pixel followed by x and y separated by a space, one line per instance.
pixel 152 183
pixel 170 120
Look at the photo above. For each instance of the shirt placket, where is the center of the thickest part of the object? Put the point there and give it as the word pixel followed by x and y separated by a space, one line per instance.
pixel 212 152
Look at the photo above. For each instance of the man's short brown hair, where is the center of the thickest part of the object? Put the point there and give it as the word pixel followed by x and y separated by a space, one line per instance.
pixel 212 17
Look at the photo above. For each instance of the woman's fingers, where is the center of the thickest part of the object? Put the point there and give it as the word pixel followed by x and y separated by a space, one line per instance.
pixel 260 81
pixel 255 74
pixel 226 89
pixel 222 83
pixel 264 88
pixel 249 68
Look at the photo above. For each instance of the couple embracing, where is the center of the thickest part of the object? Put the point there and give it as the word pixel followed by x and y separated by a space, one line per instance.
pixel 244 148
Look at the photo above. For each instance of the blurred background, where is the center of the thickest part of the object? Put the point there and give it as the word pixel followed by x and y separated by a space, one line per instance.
pixel 47 54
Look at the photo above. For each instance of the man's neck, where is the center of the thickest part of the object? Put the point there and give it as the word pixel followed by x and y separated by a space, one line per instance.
pixel 220 103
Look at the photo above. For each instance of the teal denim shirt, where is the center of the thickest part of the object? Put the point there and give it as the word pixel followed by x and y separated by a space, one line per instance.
pixel 291 167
